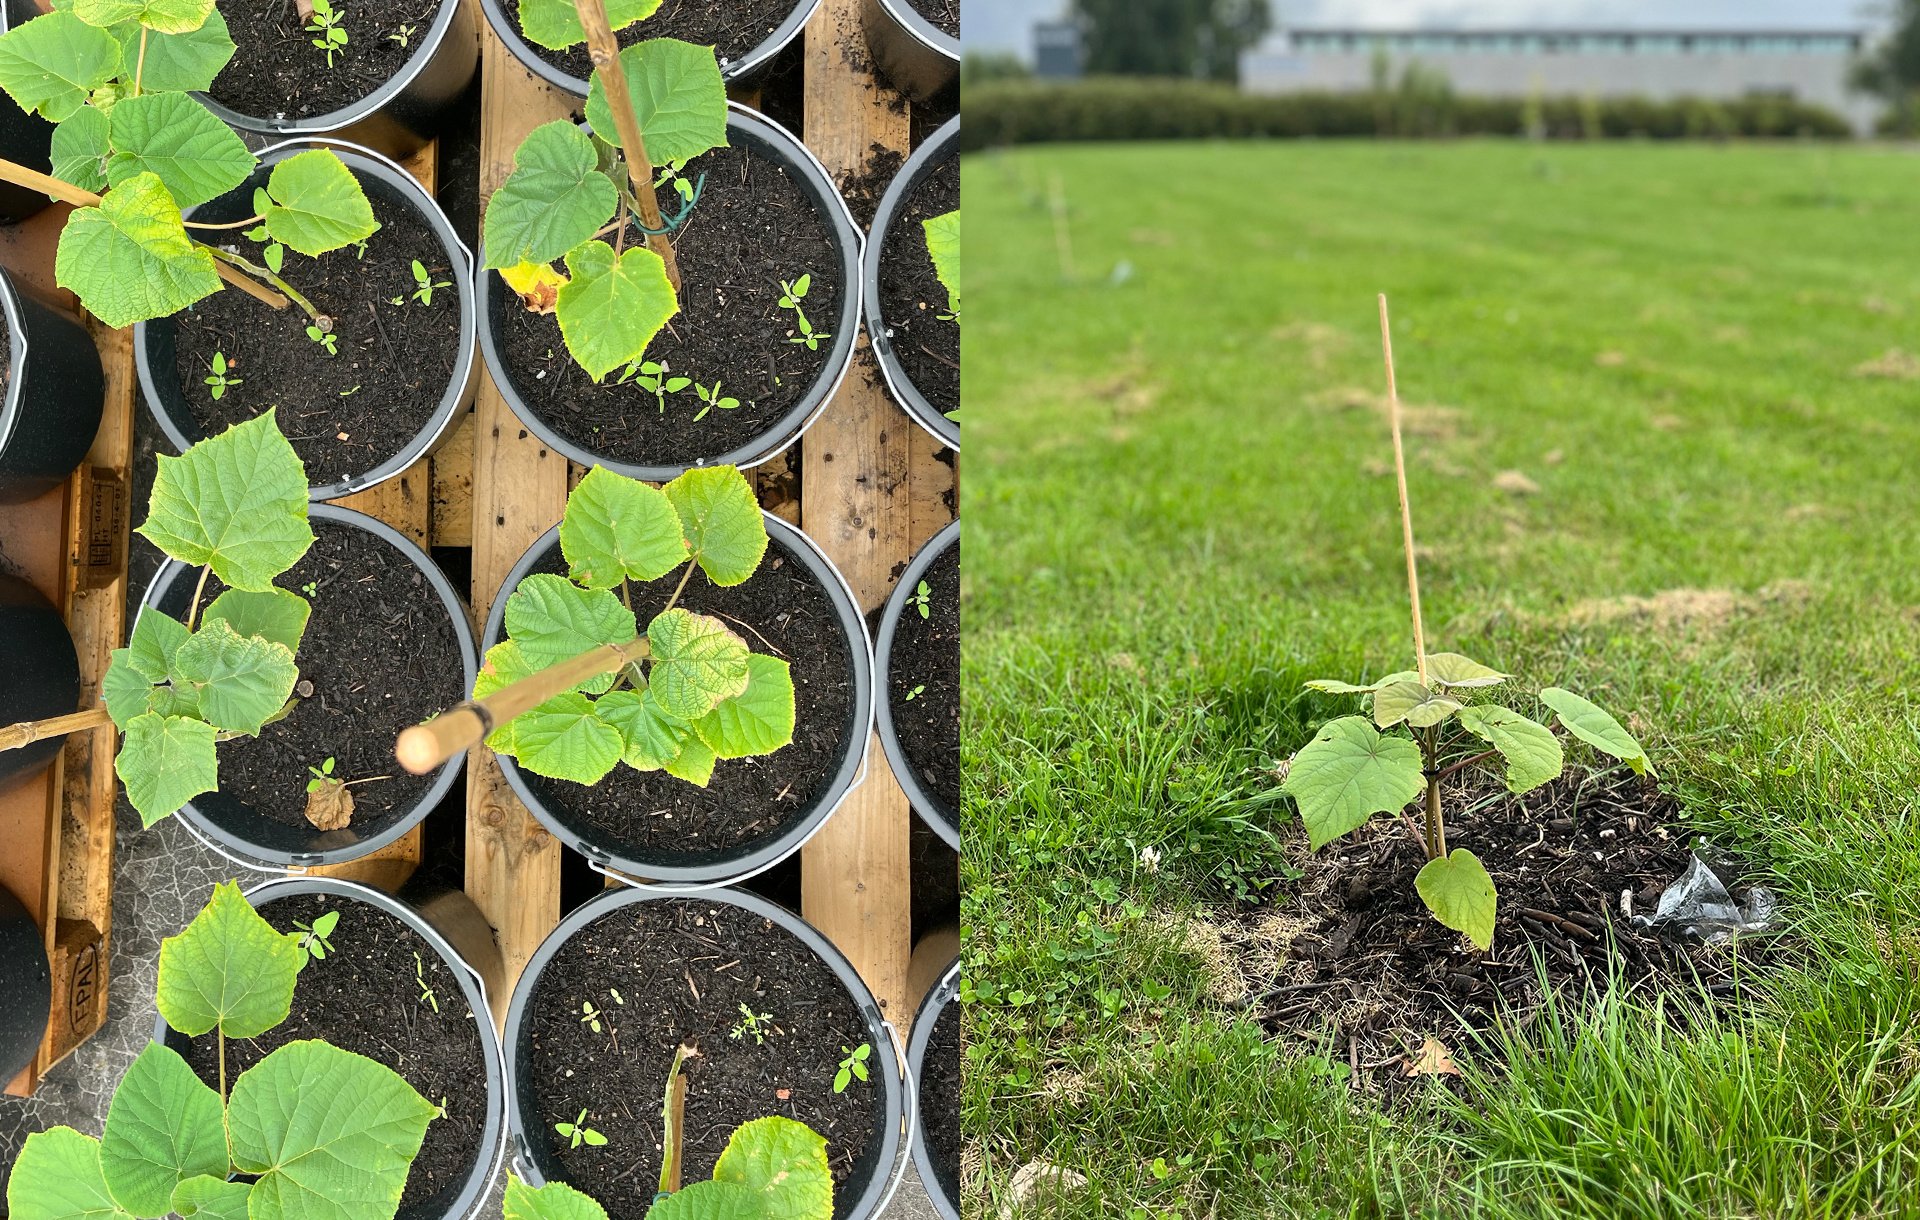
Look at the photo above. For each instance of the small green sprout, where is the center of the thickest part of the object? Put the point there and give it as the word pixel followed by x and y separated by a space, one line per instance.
pixel 752 1023
pixel 326 23
pixel 360 250
pixel 670 175
pixel 322 774
pixel 314 939
pixel 426 284
pixel 922 600
pixel 653 377
pixel 578 1133
pixel 426 991
pixel 325 338
pixel 916 692
pixel 310 588
pixel 711 397
pixel 218 381
pixel 617 998
pixel 853 1067
pixel 590 1016
pixel 404 35
pixel 792 293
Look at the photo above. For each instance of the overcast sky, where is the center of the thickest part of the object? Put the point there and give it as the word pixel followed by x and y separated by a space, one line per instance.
pixel 1005 25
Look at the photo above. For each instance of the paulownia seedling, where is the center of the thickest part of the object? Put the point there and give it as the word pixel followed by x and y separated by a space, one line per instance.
pixel 771 1169
pixel 680 695
pixel 173 1146
pixel 132 147
pixel 577 1132
pixel 313 939
pixel 235 505
pixel 663 102
pixel 793 293
pixel 943 246
pixel 1352 770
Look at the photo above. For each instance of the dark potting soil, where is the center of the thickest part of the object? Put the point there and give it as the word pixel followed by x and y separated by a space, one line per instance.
pixel 365 997
pixel 923 683
pixel 754 228
pixel 781 611
pixel 940 1099
pixel 1359 955
pixel 348 413
pixel 686 969
pixel 734 28
pixel 944 14
pixel 381 654
pixel 277 72
pixel 912 298
pixel 864 190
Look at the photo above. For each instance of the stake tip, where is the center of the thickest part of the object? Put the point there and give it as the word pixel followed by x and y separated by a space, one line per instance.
pixel 417 750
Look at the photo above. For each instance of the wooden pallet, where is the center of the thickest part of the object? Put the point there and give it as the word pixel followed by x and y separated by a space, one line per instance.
pixel 71 544
pixel 868 485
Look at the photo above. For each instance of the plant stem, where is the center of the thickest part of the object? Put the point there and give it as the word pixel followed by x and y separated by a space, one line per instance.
pixel 222 1037
pixel 235 224
pixel 193 611
pixel 673 1111
pixel 321 320
pixel 140 65
pixel 604 49
pixel 80 197
pixel 1464 763
pixel 679 588
pixel 1406 510
pixel 26 732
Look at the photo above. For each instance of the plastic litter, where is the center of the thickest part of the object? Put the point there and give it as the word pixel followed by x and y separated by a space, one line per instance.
pixel 1700 907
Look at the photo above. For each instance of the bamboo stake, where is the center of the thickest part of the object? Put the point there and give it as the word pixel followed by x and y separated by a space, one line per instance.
pixel 18 736
pixel 1406 509
pixel 66 192
pixel 604 49
pixel 425 746
pixel 673 1115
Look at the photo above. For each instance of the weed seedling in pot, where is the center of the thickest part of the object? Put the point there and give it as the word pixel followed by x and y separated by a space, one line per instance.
pixel 853 1067
pixel 771 1169
pixel 1429 723
pixel 313 939
pixel 218 379
pixel 172 1145
pixel 133 146
pixel 577 1133
pixel 326 25
pixel 579 687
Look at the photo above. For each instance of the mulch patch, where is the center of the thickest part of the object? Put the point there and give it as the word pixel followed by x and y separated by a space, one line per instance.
pixel 1360 957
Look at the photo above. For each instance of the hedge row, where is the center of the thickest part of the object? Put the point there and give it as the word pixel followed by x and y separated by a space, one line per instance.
pixel 1031 112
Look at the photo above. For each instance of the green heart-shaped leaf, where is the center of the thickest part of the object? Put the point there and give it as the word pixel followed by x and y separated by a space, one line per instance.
pixel 555 198
pixel 237 501
pixel 554 1201
pixel 564 738
pixel 1457 889
pixel 317 204
pixel 242 680
pixel 196 156
pixel 617 529
pixel 555 24
pixel 697 662
pixel 1452 669
pixel 163 1127
pixel 178 63
pixel 165 762
pixel 50 64
pixel 653 739
pixel 613 305
pixel 272 614
pixel 678 96
pixel 943 246
pixel 129 259
pixel 1595 727
pixel 725 530
pixel 784 1163
pixel 1412 703
pixel 1348 773
pixel 554 620
pixel 211 1198
pixel 229 969
pixel 1531 750
pixel 80 148
pixel 758 720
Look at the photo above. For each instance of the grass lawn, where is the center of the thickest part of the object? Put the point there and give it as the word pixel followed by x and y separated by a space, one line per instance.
pixel 1179 508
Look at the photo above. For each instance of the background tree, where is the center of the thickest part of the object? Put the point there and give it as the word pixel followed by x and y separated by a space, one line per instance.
pixel 1891 68
pixel 1190 38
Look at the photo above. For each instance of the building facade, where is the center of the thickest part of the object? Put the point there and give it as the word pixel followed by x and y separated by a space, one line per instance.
pixel 1806 65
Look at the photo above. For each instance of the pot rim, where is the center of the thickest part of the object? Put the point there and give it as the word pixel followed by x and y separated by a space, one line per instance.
pixel 851 773
pixel 881 1032
pixel 932 1005
pixel 944 822
pixel 935 148
pixel 924 32
pixel 363 160
pixel 12 409
pixel 264 860
pixel 353 112
pixel 786 431
pixel 498 1135
pixel 740 69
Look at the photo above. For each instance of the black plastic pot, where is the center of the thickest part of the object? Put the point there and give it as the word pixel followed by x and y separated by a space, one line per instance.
pixel 251 839
pixel 399 116
pixel 464 960
pixel 54 393
pixel 719 867
pixel 153 342
pixel 936 149
pixel 745 128
pixel 39 672
pixel 916 56
pixel 944 821
pixel 533 1158
pixel 742 72
pixel 936 1001
pixel 26 986
pixel 25 139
